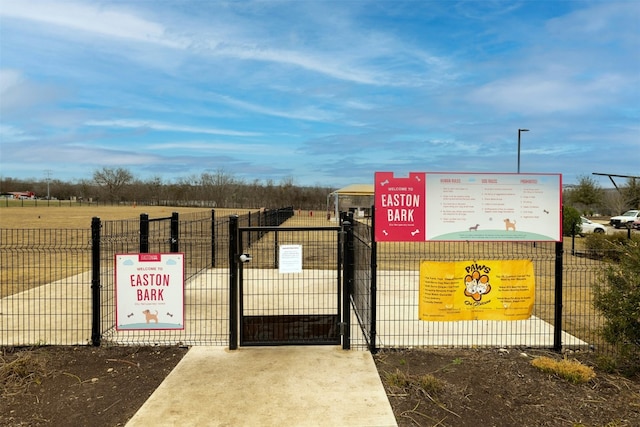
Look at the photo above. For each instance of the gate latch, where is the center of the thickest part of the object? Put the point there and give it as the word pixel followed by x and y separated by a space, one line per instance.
pixel 245 258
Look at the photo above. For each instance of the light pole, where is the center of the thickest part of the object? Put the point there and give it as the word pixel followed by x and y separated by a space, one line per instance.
pixel 519 132
pixel 48 172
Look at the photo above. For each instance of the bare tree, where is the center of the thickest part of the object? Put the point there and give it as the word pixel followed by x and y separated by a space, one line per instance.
pixel 631 193
pixel 112 181
pixel 614 202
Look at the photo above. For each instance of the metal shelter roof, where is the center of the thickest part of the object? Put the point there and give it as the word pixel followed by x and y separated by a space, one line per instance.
pixel 611 175
pixel 349 191
pixel 355 190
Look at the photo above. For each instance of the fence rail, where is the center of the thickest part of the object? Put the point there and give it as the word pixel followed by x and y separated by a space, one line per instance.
pixel 44 277
pixel 49 280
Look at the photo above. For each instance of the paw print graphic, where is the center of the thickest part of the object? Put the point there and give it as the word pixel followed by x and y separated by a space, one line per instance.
pixel 476 285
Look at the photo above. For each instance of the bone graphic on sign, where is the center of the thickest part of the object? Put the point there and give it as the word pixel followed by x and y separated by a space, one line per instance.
pixel 385 182
pixel 416 231
pixel 418 179
pixel 385 232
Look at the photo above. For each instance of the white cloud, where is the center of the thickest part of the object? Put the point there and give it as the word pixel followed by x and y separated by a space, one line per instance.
pixel 153 125
pixel 536 94
pixel 304 113
pixel 10 134
pixel 9 79
pixel 216 147
pixel 89 18
pixel 18 92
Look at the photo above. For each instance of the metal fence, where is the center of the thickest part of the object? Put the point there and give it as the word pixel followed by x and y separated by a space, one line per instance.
pixel 361 277
pixel 204 241
pixel 57 285
pixel 190 234
pixel 44 286
pixel 564 316
pixel 52 290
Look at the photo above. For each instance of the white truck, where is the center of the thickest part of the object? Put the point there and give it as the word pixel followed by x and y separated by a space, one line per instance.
pixel 627 217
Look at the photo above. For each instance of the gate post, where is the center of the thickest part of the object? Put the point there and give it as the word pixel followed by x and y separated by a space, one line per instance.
pixel 213 238
pixel 557 321
pixel 144 233
pixel 347 284
pixel 96 225
pixel 175 233
pixel 374 285
pixel 233 282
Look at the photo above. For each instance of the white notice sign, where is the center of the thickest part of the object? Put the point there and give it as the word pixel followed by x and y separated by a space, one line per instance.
pixel 290 259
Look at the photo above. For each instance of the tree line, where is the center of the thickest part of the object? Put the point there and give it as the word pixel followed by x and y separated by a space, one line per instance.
pixel 592 200
pixel 221 189
pixel 218 189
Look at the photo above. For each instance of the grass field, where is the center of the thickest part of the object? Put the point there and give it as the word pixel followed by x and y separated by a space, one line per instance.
pixel 58 217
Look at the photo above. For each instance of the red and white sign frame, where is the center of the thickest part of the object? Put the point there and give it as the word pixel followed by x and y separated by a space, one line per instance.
pixel 460 206
pixel 149 291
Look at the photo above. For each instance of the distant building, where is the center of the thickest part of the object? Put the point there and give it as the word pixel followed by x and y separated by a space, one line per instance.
pixel 21 194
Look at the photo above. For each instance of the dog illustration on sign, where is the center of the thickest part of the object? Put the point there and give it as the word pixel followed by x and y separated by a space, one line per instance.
pixel 476 285
pixel 149 316
pixel 474 228
pixel 509 225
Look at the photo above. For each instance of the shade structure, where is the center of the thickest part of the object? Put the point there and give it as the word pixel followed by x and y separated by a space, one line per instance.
pixel 353 190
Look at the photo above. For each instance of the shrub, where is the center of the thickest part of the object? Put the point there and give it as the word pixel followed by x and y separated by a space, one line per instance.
pixel 617 297
pixel 426 383
pixel 571 221
pixel 570 370
pixel 608 246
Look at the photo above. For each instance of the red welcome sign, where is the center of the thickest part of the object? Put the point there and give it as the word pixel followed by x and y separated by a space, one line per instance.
pixel 400 207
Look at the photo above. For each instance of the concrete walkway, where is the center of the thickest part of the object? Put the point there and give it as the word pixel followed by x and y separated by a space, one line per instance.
pixel 269 386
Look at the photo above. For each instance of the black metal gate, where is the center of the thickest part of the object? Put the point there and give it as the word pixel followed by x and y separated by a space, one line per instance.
pixel 287 286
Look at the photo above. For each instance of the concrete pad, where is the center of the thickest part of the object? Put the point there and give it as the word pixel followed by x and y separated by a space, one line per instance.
pixel 270 386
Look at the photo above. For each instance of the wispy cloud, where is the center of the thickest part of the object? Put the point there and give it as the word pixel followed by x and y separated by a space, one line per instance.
pixel 165 127
pixel 11 134
pixel 310 113
pixel 90 18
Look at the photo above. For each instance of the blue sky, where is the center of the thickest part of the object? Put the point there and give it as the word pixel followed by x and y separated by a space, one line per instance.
pixel 318 92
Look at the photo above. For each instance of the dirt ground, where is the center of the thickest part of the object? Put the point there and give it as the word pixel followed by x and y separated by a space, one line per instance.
pixel 492 387
pixel 80 386
pixel 87 386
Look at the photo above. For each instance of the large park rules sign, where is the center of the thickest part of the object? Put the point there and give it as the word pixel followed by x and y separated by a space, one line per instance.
pixel 149 291
pixel 456 206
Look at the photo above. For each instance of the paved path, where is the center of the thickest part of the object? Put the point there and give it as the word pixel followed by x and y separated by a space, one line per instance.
pixel 269 386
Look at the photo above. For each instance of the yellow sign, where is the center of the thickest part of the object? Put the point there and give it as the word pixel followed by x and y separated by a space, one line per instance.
pixel 476 290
